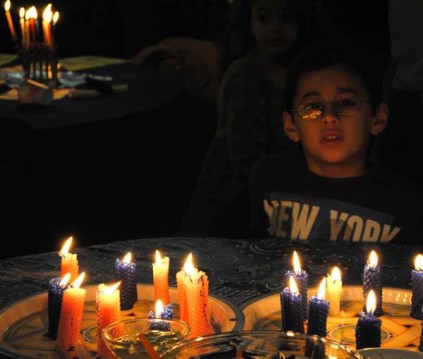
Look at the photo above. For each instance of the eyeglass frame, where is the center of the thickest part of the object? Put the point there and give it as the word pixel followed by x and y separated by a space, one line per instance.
pixel 334 109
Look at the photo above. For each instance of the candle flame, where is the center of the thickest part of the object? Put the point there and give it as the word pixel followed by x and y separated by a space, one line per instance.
pixel 127 258
pixel 55 17
pixel 296 262
pixel 78 281
pixel 65 280
pixel 371 302
pixel 47 13
pixel 27 14
pixel 158 258
pixel 293 287
pixel 373 260
pixel 22 12
pixel 322 287
pixel 7 5
pixel 32 11
pixel 418 262
pixel 65 248
pixel 189 266
pixel 159 308
pixel 109 289
pixel 336 274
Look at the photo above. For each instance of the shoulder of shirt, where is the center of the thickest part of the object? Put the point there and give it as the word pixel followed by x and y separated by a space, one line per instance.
pixel 279 163
pixel 245 66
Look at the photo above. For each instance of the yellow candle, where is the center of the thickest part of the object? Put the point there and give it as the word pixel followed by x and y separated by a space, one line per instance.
pixel 334 290
pixel 7 7
pixel 69 262
pixel 107 311
pixel 161 278
pixel 47 18
pixel 196 287
pixel 71 314
pixel 22 23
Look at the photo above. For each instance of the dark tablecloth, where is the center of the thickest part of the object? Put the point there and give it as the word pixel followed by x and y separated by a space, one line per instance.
pixel 239 270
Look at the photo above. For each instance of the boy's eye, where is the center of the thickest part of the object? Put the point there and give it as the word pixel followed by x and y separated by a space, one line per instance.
pixel 312 106
pixel 348 103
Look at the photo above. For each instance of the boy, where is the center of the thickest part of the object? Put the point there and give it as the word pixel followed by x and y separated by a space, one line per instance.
pixel 334 110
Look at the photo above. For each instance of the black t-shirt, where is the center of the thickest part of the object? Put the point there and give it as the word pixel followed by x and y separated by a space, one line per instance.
pixel 290 202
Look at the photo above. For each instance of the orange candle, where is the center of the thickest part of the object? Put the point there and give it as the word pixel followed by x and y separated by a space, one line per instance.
pixel 196 287
pixel 107 311
pixel 27 31
pixel 69 262
pixel 181 290
pixel 71 314
pixel 47 18
pixel 334 290
pixel 161 278
pixel 22 23
pixel 7 7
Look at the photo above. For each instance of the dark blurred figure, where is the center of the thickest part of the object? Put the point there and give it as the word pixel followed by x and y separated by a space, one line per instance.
pixel 262 38
pixel 401 145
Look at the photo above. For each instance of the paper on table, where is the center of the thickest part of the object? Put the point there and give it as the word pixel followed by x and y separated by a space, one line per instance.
pixel 88 62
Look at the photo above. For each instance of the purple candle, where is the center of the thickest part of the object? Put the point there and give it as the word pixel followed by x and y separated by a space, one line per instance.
pixel 367 331
pixel 417 291
pixel 318 312
pixel 372 281
pixel 56 286
pixel 301 278
pixel 292 309
pixel 161 312
pixel 125 270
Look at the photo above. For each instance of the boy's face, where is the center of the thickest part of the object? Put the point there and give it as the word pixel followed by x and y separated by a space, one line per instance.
pixel 334 143
pixel 274 26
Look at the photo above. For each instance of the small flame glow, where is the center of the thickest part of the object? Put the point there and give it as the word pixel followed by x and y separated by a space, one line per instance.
pixel 7 5
pixel 127 258
pixel 22 12
pixel 56 17
pixel 371 302
pixel 189 266
pixel 78 281
pixel 336 274
pixel 293 287
pixel 373 259
pixel 65 280
pixel 65 248
pixel 296 263
pixel 159 308
pixel 109 289
pixel 418 262
pixel 158 258
pixel 322 289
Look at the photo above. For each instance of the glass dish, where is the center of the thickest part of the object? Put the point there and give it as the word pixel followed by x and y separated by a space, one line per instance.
pixel 123 337
pixel 260 344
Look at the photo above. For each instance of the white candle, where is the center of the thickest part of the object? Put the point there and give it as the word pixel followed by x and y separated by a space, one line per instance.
pixel 334 290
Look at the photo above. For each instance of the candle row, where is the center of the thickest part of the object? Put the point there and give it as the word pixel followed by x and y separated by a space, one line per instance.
pixel 30 24
pixel 296 309
pixel 66 301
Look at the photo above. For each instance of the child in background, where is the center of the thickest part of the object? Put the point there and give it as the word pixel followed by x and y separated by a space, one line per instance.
pixel 267 34
pixel 334 109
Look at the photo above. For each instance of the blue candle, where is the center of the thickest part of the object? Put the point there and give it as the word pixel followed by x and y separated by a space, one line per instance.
pixel 318 312
pixel 292 310
pixel 367 331
pixel 56 286
pixel 372 281
pixel 301 278
pixel 125 271
pixel 161 312
pixel 417 285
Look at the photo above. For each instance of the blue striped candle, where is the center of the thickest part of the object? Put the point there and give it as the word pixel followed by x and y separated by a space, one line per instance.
pixel 417 288
pixel 292 310
pixel 125 271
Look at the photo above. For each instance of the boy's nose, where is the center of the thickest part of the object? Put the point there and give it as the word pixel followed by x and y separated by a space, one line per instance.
pixel 330 115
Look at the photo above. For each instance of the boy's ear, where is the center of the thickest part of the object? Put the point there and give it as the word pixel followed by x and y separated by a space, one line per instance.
pixel 289 127
pixel 380 119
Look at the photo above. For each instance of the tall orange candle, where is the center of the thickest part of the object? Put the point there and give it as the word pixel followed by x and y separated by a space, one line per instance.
pixel 22 24
pixel 69 262
pixel 7 7
pixel 196 287
pixel 161 278
pixel 71 314
pixel 181 290
pixel 47 18
pixel 107 311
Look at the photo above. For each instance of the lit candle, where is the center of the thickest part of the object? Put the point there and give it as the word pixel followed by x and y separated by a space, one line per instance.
pixel 334 290
pixel 417 288
pixel 7 7
pixel 367 331
pixel 161 312
pixel 33 13
pixel 69 262
pixel 107 311
pixel 53 27
pixel 318 312
pixel 22 23
pixel 71 314
pixel 181 291
pixel 125 270
pixel 292 309
pixel 196 287
pixel 161 278
pixel 27 29
pixel 47 18
pixel 301 278
pixel 372 280
pixel 56 287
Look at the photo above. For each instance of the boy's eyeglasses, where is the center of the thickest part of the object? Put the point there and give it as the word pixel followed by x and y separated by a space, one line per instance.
pixel 315 110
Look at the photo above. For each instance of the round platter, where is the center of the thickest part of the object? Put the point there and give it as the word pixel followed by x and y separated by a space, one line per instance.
pixel 389 353
pixel 23 325
pixel 399 330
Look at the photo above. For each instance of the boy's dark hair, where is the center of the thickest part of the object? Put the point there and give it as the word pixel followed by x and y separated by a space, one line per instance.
pixel 343 52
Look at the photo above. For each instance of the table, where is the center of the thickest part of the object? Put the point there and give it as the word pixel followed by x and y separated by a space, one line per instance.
pixel 239 270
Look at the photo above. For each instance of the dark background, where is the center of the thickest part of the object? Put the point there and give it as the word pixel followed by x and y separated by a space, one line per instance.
pixel 99 194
